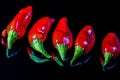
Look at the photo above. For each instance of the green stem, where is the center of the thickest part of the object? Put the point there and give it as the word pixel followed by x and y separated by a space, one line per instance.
pixel 57 59
pixel 38 46
pixel 12 35
pixel 77 53
pixel 62 48
pixel 107 57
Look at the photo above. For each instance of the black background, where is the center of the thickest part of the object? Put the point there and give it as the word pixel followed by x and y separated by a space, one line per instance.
pixel 103 17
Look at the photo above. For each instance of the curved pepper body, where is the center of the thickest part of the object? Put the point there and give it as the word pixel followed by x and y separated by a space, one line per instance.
pixel 40 29
pixel 62 37
pixel 17 27
pixel 111 44
pixel 110 48
pixel 86 38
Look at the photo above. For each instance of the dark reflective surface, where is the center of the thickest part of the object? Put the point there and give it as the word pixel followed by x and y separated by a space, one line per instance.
pixel 79 15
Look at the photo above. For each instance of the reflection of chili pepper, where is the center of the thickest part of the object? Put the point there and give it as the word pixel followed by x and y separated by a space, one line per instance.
pixel 84 42
pixel 62 38
pixel 38 34
pixel 110 48
pixel 34 57
pixel 56 58
pixel 17 27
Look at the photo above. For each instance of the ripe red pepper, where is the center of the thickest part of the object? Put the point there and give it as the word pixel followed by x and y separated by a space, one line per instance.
pixel 38 33
pixel 110 48
pixel 84 42
pixel 62 38
pixel 17 27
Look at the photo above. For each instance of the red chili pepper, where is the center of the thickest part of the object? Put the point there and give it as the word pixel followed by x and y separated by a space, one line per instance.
pixel 17 27
pixel 84 42
pixel 38 33
pixel 110 48
pixel 62 38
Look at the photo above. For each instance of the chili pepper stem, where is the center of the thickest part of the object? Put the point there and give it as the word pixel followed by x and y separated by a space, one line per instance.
pixel 62 48
pixel 78 52
pixel 38 46
pixel 107 57
pixel 12 35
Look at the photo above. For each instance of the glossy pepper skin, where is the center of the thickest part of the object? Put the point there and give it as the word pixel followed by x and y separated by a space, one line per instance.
pixel 110 48
pixel 62 38
pixel 84 42
pixel 38 33
pixel 17 27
